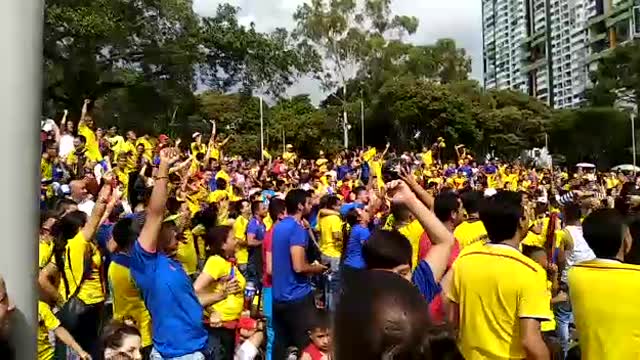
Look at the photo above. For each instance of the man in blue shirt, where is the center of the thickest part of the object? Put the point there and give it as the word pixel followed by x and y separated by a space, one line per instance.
pixel 293 301
pixel 176 312
pixel 343 170
pixel 255 234
pixel 362 198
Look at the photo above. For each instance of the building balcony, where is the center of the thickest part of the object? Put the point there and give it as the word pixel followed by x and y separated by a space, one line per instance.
pixel 534 65
pixel 610 21
pixel 535 37
pixel 599 55
pixel 612 14
pixel 597 37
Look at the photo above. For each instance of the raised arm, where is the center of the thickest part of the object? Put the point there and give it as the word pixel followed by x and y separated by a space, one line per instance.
pixel 63 122
pixel 93 223
pixel 441 239
pixel 85 109
pixel 386 148
pixel 420 192
pixel 181 166
pixel 225 141
pixel 157 203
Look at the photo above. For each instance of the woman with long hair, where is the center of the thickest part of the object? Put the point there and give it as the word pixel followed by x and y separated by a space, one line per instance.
pixel 356 230
pixel 77 262
pixel 220 289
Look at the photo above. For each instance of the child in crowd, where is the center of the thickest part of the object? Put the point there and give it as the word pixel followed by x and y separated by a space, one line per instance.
pixel 320 337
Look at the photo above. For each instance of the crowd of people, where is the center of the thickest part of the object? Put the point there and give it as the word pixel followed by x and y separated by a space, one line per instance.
pixel 154 248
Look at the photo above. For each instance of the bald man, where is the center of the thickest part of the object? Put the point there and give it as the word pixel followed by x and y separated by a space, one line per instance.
pixel 80 195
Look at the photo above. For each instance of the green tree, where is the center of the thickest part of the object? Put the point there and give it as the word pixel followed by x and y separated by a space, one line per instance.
pixel 617 77
pixel 93 47
pixel 346 32
pixel 597 135
pixel 307 128
pixel 235 114
pixel 510 122
pixel 238 56
pixel 412 112
pixel 142 60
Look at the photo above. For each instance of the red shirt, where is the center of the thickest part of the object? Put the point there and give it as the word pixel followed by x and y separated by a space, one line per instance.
pixel 436 310
pixel 267 244
pixel 313 351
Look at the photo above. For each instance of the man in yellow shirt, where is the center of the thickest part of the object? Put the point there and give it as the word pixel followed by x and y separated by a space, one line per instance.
pixel 471 231
pixel 86 128
pixel 410 227
pixel 116 141
pixel 288 155
pixel 145 141
pixel 499 295
pixel 130 149
pixel 604 291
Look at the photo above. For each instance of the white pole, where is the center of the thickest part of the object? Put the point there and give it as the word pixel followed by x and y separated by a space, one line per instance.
pixel 345 122
pixel 261 131
pixel 20 103
pixel 546 141
pixel 362 120
pixel 633 139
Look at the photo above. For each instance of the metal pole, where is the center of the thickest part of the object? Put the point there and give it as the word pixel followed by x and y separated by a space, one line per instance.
pixel 284 141
pixel 546 141
pixel 362 120
pixel 261 131
pixel 345 122
pixel 20 103
pixel 633 139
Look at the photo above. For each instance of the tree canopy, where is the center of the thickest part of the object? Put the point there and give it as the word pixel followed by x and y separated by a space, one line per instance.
pixel 156 66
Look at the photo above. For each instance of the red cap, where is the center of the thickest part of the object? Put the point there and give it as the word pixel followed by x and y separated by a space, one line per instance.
pixel 163 137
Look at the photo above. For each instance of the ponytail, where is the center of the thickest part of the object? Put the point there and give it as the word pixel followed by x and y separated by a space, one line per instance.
pixel 350 220
pixel 62 231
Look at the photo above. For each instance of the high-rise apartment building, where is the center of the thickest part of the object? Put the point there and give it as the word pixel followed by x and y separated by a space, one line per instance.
pixel 503 32
pixel 547 48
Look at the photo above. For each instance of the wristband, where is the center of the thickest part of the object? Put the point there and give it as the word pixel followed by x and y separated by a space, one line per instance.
pixel 161 177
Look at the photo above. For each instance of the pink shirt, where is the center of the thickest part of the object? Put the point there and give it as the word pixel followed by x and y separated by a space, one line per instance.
pixel 267 244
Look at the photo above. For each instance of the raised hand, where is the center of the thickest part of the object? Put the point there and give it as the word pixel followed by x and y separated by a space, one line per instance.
pixel 105 193
pixel 400 192
pixel 407 177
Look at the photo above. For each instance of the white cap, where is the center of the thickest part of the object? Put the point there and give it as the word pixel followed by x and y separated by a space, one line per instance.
pixel 490 192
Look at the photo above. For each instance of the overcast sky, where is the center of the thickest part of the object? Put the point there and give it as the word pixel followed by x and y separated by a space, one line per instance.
pixel 457 19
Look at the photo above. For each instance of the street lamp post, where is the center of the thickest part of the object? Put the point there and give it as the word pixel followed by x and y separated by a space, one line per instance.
pixel 261 131
pixel 362 120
